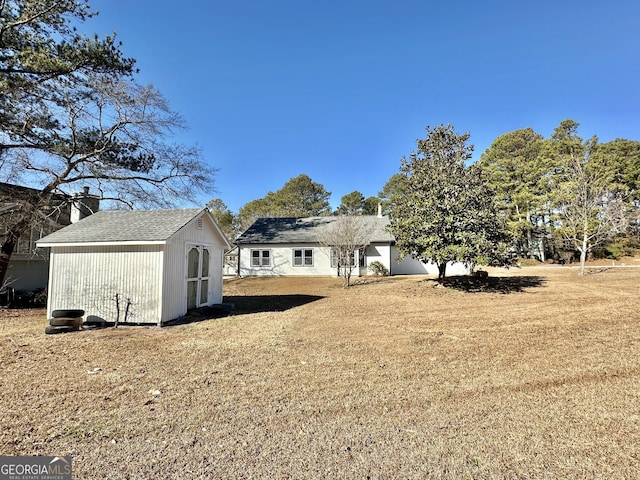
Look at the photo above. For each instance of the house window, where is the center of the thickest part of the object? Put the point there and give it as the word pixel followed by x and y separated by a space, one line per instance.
pixel 260 258
pixel 335 258
pixel 303 257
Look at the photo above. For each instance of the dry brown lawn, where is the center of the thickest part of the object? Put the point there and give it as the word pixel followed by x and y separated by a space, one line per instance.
pixel 534 374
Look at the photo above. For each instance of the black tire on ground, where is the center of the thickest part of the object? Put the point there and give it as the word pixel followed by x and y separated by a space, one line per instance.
pixel 94 321
pixel 50 330
pixel 65 322
pixel 67 313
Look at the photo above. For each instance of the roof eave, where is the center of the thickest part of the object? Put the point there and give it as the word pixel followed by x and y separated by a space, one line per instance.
pixel 101 244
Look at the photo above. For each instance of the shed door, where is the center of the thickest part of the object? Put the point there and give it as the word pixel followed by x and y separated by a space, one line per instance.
pixel 198 259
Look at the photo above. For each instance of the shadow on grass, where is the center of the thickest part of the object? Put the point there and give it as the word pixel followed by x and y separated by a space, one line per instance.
pixel 268 303
pixel 241 305
pixel 493 284
pixel 595 271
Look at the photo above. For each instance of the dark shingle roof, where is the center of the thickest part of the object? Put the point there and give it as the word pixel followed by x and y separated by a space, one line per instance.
pixel 304 230
pixel 123 226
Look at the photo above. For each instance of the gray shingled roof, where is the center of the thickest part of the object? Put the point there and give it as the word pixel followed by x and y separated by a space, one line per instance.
pixel 304 230
pixel 123 226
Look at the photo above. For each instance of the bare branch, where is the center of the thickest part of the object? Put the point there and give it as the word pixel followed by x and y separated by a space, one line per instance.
pixel 347 237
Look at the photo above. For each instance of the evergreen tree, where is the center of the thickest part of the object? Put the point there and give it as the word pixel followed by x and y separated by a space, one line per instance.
pixel 299 197
pixel 371 206
pixel 351 204
pixel 393 188
pixel 515 171
pixel 224 217
pixel 72 116
pixel 445 211
pixel 619 160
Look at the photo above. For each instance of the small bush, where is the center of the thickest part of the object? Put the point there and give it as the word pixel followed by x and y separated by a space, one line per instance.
pixel 611 252
pixel 378 268
pixel 528 262
pixel 622 246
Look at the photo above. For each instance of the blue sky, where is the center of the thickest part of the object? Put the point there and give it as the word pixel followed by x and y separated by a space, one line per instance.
pixel 341 90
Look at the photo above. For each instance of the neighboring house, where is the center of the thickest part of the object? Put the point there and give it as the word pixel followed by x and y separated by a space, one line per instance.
pixel 142 267
pixel 292 246
pixel 29 268
pixel 230 267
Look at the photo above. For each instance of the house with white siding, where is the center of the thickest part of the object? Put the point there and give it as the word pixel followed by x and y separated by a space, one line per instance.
pixel 293 247
pixel 141 267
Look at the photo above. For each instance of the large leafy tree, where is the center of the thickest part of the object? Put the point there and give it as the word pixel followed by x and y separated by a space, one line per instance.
pixel 445 211
pixel 299 197
pixel 72 116
pixel 515 171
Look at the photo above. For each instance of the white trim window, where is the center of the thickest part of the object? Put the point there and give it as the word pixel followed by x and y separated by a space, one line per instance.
pixel 303 257
pixel 260 258
pixel 335 258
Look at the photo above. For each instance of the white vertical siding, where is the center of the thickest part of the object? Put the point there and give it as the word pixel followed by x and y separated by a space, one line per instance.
pixel 89 278
pixel 174 285
pixel 175 275
pixel 215 283
pixel 152 277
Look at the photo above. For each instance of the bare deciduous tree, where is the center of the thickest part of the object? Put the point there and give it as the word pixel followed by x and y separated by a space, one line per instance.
pixel 72 116
pixel 590 212
pixel 116 138
pixel 347 237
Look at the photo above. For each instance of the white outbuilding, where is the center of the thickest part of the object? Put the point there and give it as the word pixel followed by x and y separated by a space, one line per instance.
pixel 142 267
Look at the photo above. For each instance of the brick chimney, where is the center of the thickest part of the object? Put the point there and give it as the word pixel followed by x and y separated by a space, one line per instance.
pixel 84 204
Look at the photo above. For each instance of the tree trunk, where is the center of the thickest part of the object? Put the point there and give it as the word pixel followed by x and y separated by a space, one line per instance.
pixel 347 272
pixel 442 270
pixel 583 253
pixel 529 240
pixel 5 255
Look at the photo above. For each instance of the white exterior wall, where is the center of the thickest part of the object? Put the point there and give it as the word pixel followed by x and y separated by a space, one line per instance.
pixel 379 253
pixel 410 266
pixel 282 261
pixel 175 274
pixel 89 278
